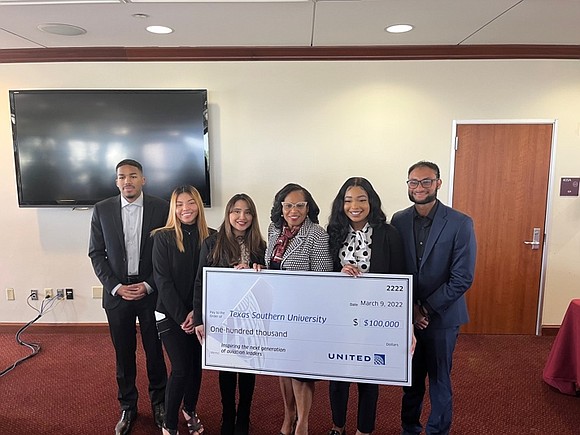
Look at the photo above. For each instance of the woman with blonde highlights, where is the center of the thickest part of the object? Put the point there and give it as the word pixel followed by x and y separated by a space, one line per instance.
pixel 176 248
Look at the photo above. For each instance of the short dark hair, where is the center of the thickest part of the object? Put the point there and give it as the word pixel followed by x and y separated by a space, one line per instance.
pixel 129 162
pixel 425 164
pixel 338 224
pixel 276 213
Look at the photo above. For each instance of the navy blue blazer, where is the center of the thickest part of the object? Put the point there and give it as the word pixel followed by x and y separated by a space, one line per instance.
pixel 448 265
pixel 107 243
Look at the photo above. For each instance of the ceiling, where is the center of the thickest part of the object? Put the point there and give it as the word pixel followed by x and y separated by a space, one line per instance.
pixel 298 23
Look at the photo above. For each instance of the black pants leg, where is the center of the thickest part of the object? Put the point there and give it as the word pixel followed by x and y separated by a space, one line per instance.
pixel 156 369
pixel 182 384
pixel 228 381
pixel 246 385
pixel 368 396
pixel 338 392
pixel 123 332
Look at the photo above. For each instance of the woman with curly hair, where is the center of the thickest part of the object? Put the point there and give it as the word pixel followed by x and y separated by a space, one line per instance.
pixel 361 241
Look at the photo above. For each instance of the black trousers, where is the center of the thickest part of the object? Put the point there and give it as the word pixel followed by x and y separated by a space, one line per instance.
pixel 368 395
pixel 184 382
pixel 123 330
pixel 231 418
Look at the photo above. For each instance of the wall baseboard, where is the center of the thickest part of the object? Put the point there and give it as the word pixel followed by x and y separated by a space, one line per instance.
pixel 550 331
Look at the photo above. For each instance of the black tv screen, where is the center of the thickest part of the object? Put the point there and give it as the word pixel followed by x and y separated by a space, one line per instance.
pixel 68 142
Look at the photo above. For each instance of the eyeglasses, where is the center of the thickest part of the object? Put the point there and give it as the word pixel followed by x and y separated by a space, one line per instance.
pixel 289 205
pixel 425 182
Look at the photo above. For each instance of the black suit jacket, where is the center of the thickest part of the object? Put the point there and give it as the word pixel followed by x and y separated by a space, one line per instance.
pixel 448 265
pixel 107 244
pixel 387 254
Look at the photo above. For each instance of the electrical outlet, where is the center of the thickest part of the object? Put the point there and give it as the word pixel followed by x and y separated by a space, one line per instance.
pixel 97 292
pixel 48 293
pixel 9 294
pixel 60 293
pixel 34 295
pixel 69 293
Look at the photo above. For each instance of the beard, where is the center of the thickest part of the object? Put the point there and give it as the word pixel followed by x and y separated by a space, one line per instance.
pixel 426 200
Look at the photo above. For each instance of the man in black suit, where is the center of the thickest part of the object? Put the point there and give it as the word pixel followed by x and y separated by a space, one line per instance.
pixel 120 250
pixel 439 245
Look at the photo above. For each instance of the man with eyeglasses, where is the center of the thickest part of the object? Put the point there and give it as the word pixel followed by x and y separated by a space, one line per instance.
pixel 440 250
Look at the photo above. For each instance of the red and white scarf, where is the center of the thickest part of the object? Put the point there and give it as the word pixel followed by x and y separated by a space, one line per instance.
pixel 284 238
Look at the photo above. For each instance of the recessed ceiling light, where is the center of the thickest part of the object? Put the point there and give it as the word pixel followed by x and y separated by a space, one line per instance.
pixel 399 28
pixel 140 16
pixel 62 29
pixel 161 30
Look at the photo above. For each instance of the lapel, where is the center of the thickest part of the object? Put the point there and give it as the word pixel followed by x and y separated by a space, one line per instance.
pixel 439 222
pixel 118 221
pixel 147 218
pixel 298 239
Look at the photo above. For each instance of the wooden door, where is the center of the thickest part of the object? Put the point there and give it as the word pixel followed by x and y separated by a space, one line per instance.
pixel 501 181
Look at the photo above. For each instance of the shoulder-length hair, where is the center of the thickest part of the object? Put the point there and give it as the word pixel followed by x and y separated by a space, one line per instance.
pixel 338 223
pixel 174 224
pixel 276 214
pixel 226 251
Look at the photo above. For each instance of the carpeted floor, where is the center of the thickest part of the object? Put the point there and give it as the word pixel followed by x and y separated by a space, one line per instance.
pixel 69 388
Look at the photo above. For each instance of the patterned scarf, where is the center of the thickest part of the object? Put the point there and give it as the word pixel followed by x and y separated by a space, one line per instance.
pixel 282 242
pixel 244 252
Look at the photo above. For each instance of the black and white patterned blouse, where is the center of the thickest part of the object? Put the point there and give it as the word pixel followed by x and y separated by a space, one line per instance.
pixel 356 249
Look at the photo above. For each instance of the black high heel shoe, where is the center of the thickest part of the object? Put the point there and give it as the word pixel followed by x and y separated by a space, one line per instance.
pixel 193 422
pixel 167 431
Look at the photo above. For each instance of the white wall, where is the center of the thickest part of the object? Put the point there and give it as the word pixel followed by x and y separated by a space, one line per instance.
pixel 306 122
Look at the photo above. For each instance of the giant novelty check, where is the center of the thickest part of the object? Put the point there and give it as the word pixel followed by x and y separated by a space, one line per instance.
pixel 309 324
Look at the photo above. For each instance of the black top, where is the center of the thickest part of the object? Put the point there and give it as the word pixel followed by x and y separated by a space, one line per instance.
pixel 387 255
pixel 175 271
pixel 421 229
pixel 205 261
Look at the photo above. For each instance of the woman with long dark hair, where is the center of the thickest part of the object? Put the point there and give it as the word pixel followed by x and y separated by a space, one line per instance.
pixel 238 244
pixel 361 241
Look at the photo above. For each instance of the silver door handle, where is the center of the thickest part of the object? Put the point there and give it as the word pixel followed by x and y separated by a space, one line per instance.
pixel 535 242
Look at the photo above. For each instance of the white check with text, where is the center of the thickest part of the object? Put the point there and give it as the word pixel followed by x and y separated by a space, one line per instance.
pixel 309 324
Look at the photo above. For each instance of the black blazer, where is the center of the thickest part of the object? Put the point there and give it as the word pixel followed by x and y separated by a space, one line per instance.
pixel 107 244
pixel 387 254
pixel 175 272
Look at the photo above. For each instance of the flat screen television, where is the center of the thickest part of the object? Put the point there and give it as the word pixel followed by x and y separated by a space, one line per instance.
pixel 68 142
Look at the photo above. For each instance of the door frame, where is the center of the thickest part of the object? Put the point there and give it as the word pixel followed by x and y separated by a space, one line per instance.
pixel 549 199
